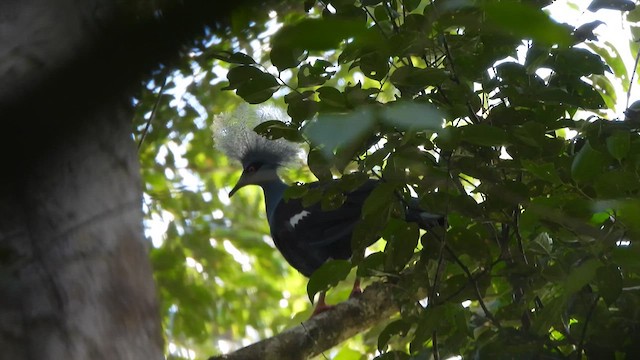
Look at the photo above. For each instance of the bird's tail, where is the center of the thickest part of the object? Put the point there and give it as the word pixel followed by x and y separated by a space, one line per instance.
pixel 424 219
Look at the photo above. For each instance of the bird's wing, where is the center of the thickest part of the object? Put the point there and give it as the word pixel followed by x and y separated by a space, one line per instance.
pixel 309 236
pixel 322 228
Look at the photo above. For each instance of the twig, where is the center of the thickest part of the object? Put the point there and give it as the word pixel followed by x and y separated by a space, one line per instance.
pixel 474 281
pixel 584 329
pixel 633 74
pixel 434 340
pixel 153 113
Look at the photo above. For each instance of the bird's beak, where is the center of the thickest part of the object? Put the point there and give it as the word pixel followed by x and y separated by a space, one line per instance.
pixel 242 182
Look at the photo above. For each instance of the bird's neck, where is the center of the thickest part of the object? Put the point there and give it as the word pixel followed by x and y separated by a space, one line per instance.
pixel 273 193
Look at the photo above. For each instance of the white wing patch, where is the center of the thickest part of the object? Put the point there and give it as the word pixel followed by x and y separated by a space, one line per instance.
pixel 295 219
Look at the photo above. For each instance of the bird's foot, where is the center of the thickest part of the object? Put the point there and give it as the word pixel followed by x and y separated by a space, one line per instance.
pixel 356 291
pixel 320 308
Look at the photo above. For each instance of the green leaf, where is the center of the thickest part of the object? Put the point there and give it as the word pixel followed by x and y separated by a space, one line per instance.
pixel 330 131
pixel 629 213
pixel 371 265
pixel 536 56
pixel 374 66
pixel 581 276
pixel 411 80
pixel 376 211
pixel 542 244
pixel 587 164
pixel 316 74
pixel 285 57
pixel 509 17
pixel 585 31
pixel 413 116
pixel 332 199
pixel 295 191
pixel 300 107
pixel 317 34
pixel 233 58
pixel 357 96
pixel 412 4
pixel 352 181
pixel 378 199
pixel 434 318
pixel 481 134
pixel 393 355
pixel 312 196
pixel 402 239
pixel 606 89
pixel 319 165
pixel 365 233
pixel 548 315
pixel 332 98
pixel 576 61
pixel 328 275
pixel 615 183
pixel 544 171
pixel 620 5
pixel 619 144
pixel 251 83
pixel 614 59
pixel 398 327
pixel 427 324
pixel 276 129
pixel 609 282
pixel 348 354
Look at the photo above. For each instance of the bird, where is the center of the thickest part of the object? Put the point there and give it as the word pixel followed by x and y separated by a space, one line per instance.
pixel 306 236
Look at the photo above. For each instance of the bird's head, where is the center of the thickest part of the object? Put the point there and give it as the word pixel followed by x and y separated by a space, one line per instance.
pixel 256 173
pixel 260 157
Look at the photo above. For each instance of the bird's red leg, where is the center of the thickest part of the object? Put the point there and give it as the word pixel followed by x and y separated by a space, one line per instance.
pixel 321 306
pixel 356 291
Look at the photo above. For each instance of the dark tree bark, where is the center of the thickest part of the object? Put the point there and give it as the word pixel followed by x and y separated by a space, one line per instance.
pixel 75 280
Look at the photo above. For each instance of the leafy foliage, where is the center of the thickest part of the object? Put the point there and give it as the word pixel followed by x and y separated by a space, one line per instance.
pixel 462 104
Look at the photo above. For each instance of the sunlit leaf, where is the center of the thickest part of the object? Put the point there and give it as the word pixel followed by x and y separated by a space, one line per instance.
pixel 413 116
pixel 317 34
pixel 508 17
pixel 331 131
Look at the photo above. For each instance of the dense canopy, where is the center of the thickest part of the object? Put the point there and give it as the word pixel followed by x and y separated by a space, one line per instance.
pixel 490 112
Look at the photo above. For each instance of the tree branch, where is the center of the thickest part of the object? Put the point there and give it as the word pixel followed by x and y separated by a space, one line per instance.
pixel 325 330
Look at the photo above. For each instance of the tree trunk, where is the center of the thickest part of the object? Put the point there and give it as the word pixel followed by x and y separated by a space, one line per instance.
pixel 75 281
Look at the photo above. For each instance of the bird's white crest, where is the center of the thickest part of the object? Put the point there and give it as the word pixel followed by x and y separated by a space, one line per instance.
pixel 233 134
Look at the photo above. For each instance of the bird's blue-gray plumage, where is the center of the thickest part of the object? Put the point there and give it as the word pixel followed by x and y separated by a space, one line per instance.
pixel 316 235
pixel 321 235
pixel 306 236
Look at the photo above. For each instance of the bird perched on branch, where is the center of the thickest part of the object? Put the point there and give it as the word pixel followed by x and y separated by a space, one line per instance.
pixel 306 236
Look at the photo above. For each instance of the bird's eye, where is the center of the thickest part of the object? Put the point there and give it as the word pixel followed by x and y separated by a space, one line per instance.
pixel 250 168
